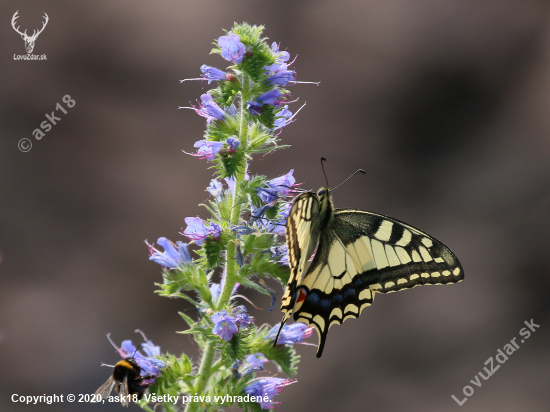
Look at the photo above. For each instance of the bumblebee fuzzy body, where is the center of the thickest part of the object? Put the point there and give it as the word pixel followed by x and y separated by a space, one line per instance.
pixel 126 380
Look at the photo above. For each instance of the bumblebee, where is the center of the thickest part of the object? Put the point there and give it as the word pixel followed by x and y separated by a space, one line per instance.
pixel 126 380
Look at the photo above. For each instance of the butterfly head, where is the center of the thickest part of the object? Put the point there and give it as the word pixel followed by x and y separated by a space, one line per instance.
pixel 326 206
pixel 323 193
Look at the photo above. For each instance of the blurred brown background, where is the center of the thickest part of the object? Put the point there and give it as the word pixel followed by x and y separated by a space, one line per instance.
pixel 444 104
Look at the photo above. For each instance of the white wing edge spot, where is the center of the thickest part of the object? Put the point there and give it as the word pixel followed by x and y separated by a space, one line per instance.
pixel 365 294
pixel 319 321
pixel 336 312
pixel 351 308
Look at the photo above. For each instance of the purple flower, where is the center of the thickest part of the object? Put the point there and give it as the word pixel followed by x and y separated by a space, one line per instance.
pixel 215 290
pixel 215 189
pixel 224 325
pixel 290 334
pixel 267 387
pixel 197 231
pixel 207 149
pixel 149 365
pixel 273 98
pixel 215 230
pixel 243 230
pixel 258 213
pixel 239 258
pixel 282 118
pixel 278 74
pixel 171 257
pixel 243 319
pixel 209 108
pixel 211 73
pixel 150 349
pixel 283 56
pixel 280 254
pixel 233 144
pixel 278 226
pixel 232 48
pixel 256 361
pixel 280 186
pixel 254 108
pixel 231 181
pixel 281 78
pixel 283 184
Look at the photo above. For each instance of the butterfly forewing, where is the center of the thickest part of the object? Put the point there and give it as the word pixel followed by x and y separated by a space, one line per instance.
pixel 299 227
pixel 404 256
pixel 301 241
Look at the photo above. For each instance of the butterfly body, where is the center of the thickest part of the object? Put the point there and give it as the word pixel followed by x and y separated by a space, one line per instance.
pixel 358 254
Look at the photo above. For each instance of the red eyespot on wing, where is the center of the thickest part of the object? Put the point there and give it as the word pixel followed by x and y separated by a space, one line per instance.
pixel 302 295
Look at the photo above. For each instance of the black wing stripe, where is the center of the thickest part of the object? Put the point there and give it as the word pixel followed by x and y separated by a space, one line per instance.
pixel 396 234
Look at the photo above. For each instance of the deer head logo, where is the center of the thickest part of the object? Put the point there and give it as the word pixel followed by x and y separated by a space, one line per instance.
pixel 29 40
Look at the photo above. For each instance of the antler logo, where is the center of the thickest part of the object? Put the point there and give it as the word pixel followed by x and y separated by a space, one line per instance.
pixel 29 40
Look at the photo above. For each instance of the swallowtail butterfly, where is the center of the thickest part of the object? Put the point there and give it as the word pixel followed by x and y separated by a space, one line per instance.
pixel 358 254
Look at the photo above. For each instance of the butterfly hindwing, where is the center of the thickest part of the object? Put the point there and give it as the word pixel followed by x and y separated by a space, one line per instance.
pixel 332 287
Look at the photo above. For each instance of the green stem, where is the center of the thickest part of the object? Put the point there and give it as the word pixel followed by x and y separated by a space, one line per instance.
pixel 231 275
pixel 216 366
pixel 145 408
pixel 231 263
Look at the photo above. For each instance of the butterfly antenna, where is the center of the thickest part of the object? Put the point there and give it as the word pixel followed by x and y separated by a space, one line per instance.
pixel 323 167
pixel 357 171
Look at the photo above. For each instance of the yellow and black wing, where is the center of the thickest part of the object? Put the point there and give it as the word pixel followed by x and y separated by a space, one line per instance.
pixel 302 235
pixel 361 253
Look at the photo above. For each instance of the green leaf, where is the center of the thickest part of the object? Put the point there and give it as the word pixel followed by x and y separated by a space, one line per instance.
pixel 283 355
pixel 249 283
pixel 238 346
pixel 187 319
pixel 213 249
